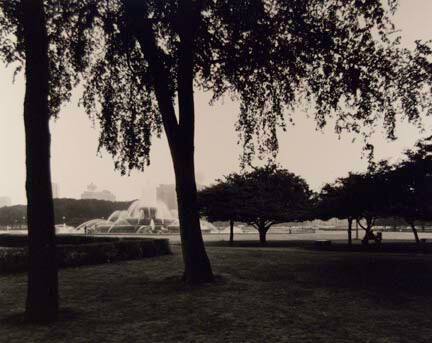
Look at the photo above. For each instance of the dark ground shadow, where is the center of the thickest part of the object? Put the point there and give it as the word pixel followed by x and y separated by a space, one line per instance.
pixel 336 245
pixel 18 319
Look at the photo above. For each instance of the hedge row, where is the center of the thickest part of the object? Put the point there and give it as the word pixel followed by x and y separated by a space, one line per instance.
pixel 69 255
pixel 17 240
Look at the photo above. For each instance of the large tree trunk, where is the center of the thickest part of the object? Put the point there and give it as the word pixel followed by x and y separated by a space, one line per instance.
pixel 197 264
pixel 42 290
pixel 180 134
pixel 231 238
pixel 262 230
pixel 197 267
pixel 350 220
pixel 262 226
pixel 262 235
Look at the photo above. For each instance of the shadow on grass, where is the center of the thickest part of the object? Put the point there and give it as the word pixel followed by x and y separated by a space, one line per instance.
pixel 174 284
pixel 260 295
pixel 336 245
pixel 384 275
pixel 385 272
pixel 19 319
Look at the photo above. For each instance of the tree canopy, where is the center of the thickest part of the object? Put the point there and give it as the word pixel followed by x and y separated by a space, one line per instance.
pixel 359 196
pixel 262 197
pixel 410 188
pixel 336 201
pixel 220 202
pixel 401 191
pixel 62 74
pixel 341 57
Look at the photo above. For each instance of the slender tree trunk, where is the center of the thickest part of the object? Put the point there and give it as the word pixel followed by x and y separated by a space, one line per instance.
pixel 357 231
pixel 350 220
pixel 414 229
pixel 231 239
pixel 369 224
pixel 42 290
pixel 369 234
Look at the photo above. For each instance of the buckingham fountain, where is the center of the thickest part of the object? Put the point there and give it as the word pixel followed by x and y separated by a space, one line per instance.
pixel 144 216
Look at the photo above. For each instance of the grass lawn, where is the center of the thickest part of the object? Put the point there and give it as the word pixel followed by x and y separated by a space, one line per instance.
pixel 261 295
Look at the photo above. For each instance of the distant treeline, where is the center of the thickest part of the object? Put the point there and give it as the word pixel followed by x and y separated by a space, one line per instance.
pixel 387 222
pixel 74 211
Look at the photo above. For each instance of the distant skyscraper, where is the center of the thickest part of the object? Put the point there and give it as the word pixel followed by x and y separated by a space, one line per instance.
pixel 5 201
pixel 92 193
pixel 149 194
pixel 55 190
pixel 167 194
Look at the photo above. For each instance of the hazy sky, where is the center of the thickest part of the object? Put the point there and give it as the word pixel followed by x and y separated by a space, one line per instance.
pixel 319 157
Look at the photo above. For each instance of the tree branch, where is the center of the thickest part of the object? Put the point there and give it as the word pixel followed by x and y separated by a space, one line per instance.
pixel 359 223
pixel 145 36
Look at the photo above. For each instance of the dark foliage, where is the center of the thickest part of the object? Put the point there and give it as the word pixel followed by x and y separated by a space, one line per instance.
pixel 79 211
pixel 261 198
pixel 363 197
pixel 399 191
pixel 219 202
pixel 343 58
pixel 410 189
pixel 74 251
pixel 62 77
pixel 75 211
pixel 412 184
pixel 359 196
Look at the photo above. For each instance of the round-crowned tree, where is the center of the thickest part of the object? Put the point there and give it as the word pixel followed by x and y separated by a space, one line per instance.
pixel 219 202
pixel 336 201
pixel 263 197
pixel 363 197
pixel 411 186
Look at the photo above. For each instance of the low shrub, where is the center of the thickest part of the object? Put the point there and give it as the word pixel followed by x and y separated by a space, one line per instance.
pixel 13 259
pixel 129 250
pixel 16 240
pixel 74 255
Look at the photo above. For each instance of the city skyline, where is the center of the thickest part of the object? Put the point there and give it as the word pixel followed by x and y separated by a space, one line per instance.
pixel 74 141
